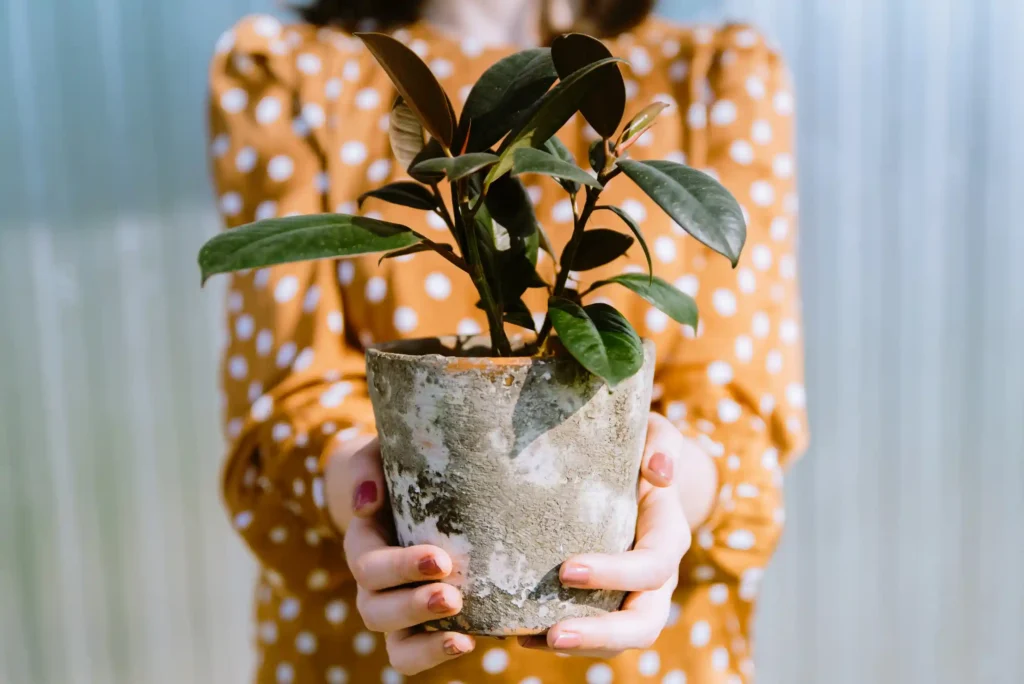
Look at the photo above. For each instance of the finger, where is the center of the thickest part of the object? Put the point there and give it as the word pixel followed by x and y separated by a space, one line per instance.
pixel 376 565
pixel 354 481
pixel 391 611
pixel 411 654
pixel 663 536
pixel 663 444
pixel 637 625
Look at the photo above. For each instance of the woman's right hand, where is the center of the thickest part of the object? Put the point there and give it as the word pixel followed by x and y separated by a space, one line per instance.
pixel 356 499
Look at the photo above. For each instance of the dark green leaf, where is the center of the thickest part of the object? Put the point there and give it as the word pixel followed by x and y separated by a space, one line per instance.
pixel 604 106
pixel 678 305
pixel 598 156
pixel 403 193
pixel 406 133
pixel 518 274
pixel 599 338
pixel 694 200
pixel 639 124
pixel 509 204
pixel 529 160
pixel 300 238
pixel 558 148
pixel 628 220
pixel 551 113
pixel 432 150
pixel 457 168
pixel 415 82
pixel 504 92
pixel 517 313
pixel 416 249
pixel 598 247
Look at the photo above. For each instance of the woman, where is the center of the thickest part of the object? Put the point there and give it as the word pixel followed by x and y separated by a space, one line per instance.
pixel 299 120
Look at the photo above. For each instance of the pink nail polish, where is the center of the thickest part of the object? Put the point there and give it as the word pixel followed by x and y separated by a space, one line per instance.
pixel 567 640
pixel 438 604
pixel 661 465
pixel 366 494
pixel 574 573
pixel 451 647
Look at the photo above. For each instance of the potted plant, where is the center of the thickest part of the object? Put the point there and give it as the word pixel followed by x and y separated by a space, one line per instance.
pixel 512 453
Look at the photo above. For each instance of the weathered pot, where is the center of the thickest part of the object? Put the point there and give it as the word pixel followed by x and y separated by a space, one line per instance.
pixel 511 465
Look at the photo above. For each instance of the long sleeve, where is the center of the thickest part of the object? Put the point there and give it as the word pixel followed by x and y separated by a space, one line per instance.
pixel 292 384
pixel 736 386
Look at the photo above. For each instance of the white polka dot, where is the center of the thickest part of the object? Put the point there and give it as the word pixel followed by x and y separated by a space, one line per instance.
pixel 741 152
pixel 245 160
pixel 335 394
pixel 305 643
pixel 789 331
pixel 367 98
pixel 677 73
pixel 674 677
pixel 744 348
pixel 278 535
pixel 728 411
pixel 741 540
pixel 405 319
pixel 718 594
pixel 787 266
pixel 438 286
pixel 762 193
pixel 779 228
pixel 688 284
pixel 761 257
pixel 495 661
pixel 238 367
pixel 665 249
pixel 312 538
pixel 761 132
pixel 420 47
pixel 391 676
pixel 720 658
pixel 640 61
pixel 796 395
pixel 723 113
pixel 471 47
pixel 234 427
pixel 243 520
pixel 231 203
pixel 767 404
pixel 267 632
pixel 336 612
pixel 376 289
pixel 280 168
pixel 289 609
pixel 364 643
pixel 599 674
pixel 234 100
pixel 656 320
pixel 353 153
pixel 436 222
pixel 285 673
pixel 700 633
pixel 313 115
pixel 255 390
pixel 745 280
pixel 268 110
pixel 333 89
pixel 724 302
pixel 281 432
pixel 761 324
pixel 562 212
pixel 719 372
pixel 378 171
pixel 266 210
pixel 442 68
pixel 308 63
pixel 286 289
pixel 636 210
pixel 773 362
pixel 468 327
pixel 346 272
pixel 782 165
pixel 299 127
pixel 266 26
pixel 697 115
pixel 337 675
pixel 304 360
pixel 351 70
pixel 264 342
pixel 220 145
pixel 335 322
pixel 783 103
pixel 262 408
pixel 649 663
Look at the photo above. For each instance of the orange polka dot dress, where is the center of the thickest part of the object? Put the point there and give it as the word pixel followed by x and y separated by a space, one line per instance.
pixel 299 119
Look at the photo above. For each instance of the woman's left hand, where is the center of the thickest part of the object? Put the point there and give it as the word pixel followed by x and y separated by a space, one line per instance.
pixel 650 571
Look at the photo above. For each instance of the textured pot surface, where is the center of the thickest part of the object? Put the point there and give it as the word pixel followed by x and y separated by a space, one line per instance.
pixel 511 466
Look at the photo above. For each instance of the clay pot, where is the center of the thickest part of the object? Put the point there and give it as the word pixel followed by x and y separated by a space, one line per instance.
pixel 511 465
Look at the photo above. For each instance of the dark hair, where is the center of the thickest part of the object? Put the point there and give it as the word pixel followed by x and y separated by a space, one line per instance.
pixel 602 18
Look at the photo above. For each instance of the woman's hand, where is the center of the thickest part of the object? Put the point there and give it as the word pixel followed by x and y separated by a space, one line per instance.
pixel 355 498
pixel 650 571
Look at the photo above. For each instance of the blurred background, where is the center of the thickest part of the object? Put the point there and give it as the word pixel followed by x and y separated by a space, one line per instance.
pixel 904 555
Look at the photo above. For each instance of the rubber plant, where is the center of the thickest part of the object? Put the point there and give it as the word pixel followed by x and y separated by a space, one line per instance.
pixel 467 170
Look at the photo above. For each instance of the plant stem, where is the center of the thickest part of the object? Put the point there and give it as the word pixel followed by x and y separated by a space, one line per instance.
pixel 499 341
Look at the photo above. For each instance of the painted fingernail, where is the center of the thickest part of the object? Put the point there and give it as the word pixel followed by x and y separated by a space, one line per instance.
pixel 438 604
pixel 452 648
pixel 661 465
pixel 574 573
pixel 428 566
pixel 567 640
pixel 366 494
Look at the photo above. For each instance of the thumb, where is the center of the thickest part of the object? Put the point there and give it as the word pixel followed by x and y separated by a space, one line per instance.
pixel 354 481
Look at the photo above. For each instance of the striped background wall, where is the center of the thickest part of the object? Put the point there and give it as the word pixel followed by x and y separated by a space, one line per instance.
pixel 904 556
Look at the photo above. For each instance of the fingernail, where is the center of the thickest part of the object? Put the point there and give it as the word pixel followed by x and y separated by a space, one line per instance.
pixel 661 465
pixel 428 566
pixel 574 573
pixel 366 494
pixel 438 604
pixel 452 648
pixel 567 640
pixel 533 642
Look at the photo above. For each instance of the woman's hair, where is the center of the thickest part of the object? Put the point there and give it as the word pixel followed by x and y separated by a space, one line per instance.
pixel 599 17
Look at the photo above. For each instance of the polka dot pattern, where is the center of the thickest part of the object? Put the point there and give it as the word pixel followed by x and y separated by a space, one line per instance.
pixel 299 123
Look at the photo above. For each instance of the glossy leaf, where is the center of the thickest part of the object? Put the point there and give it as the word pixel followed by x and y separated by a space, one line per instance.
pixel 558 149
pixel 640 124
pixel 406 134
pixel 552 112
pixel 432 150
pixel 605 105
pixel 415 82
pixel 633 226
pixel 530 160
pixel 444 250
pixel 517 313
pixel 599 338
pixel 694 200
pixel 456 168
pixel 510 205
pixel 598 156
pixel 598 247
pixel 679 306
pixel 403 193
pixel 506 90
pixel 300 238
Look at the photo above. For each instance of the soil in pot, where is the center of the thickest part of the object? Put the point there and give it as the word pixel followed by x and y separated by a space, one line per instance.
pixel 511 465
